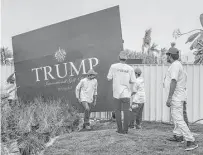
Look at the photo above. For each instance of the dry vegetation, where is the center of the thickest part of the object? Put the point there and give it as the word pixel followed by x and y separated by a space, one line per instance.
pixel 32 124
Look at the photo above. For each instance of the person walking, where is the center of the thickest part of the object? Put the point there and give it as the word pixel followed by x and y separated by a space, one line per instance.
pixel 175 85
pixel 138 100
pixel 122 75
pixel 86 94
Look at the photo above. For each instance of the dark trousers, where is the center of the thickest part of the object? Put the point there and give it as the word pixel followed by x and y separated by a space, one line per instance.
pixel 136 115
pixel 113 115
pixel 87 111
pixel 118 104
pixel 185 113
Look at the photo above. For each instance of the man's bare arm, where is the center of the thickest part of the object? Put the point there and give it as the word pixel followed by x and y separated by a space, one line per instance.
pixel 172 88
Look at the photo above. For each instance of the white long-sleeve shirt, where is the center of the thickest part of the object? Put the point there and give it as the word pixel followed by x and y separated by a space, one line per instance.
pixel 86 89
pixel 11 91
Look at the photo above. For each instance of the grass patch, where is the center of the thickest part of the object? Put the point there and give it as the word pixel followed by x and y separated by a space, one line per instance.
pixel 103 140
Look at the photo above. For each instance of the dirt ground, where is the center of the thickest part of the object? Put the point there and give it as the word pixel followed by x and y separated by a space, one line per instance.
pixel 103 140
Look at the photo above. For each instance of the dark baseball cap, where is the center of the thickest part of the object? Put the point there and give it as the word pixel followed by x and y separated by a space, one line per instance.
pixel 172 50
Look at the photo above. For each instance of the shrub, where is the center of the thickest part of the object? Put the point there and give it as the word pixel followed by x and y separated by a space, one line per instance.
pixel 34 122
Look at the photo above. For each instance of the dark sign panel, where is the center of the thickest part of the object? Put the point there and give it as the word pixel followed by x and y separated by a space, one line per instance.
pixel 50 61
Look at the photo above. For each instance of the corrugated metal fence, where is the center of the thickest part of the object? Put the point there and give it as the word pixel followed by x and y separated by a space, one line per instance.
pixel 155 108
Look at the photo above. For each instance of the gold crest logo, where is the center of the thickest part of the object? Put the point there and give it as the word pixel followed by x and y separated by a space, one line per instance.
pixel 60 55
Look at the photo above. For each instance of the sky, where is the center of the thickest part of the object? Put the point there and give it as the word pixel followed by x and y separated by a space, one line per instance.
pixel 163 16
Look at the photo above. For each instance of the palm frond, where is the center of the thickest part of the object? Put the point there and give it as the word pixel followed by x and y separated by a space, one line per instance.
pixel 147 39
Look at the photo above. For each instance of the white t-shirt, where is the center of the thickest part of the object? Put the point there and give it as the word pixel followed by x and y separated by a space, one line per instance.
pixel 86 89
pixel 139 88
pixel 122 75
pixel 175 71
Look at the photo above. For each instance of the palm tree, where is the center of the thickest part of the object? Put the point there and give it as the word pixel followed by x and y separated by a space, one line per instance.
pixel 197 41
pixel 146 40
pixel 153 49
pixel 6 56
pixel 150 49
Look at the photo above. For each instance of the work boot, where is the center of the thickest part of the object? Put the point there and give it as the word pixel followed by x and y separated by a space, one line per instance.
pixel 131 125
pixel 125 132
pixel 138 127
pixel 88 127
pixel 191 146
pixel 119 132
pixel 176 138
